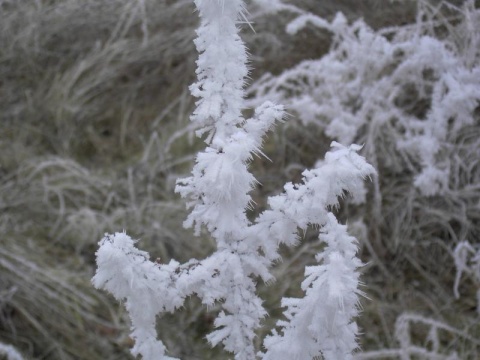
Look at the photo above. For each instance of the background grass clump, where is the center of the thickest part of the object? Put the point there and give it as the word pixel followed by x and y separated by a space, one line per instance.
pixel 94 130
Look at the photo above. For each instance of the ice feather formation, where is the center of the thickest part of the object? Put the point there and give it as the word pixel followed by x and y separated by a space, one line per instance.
pixel 217 192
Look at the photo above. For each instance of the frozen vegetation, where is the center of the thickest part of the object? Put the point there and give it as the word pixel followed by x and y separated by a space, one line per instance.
pixel 372 253
pixel 320 324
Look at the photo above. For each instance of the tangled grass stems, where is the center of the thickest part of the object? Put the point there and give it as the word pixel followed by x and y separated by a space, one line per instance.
pixel 70 73
pixel 47 305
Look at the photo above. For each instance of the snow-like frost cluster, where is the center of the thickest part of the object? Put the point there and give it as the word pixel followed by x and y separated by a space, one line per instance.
pixel 320 324
pixel 9 352
pixel 467 261
pixel 399 86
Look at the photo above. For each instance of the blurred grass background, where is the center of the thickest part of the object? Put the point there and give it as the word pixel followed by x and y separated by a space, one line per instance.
pixel 94 131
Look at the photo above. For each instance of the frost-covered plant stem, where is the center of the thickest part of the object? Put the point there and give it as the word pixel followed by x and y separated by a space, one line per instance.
pixel 467 260
pixel 321 323
pixel 220 182
pixel 218 195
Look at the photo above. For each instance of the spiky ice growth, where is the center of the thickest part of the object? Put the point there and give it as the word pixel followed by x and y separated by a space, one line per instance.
pixel 218 190
pixel 322 323
pixel 221 70
pixel 218 196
